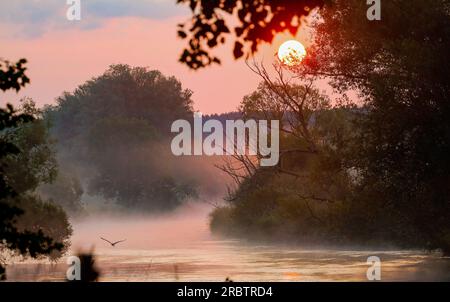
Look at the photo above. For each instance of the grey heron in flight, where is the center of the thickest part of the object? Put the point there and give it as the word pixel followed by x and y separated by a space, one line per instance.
pixel 113 244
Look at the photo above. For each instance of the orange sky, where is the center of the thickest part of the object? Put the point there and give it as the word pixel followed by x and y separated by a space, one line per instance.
pixel 61 59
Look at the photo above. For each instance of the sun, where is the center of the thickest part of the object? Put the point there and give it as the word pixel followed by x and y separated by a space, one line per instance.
pixel 291 52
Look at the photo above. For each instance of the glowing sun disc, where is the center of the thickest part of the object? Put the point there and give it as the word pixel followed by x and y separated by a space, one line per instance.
pixel 291 52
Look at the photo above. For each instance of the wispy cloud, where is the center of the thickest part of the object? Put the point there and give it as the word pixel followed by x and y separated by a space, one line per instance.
pixel 31 18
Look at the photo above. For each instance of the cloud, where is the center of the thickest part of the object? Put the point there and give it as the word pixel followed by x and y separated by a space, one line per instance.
pixel 136 8
pixel 32 18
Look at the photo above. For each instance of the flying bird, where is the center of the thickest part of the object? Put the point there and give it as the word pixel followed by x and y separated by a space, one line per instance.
pixel 113 244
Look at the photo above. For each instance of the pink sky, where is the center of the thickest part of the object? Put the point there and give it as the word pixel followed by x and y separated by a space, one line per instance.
pixel 60 60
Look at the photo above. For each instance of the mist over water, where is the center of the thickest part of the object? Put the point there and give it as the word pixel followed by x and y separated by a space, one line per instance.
pixel 178 229
pixel 179 247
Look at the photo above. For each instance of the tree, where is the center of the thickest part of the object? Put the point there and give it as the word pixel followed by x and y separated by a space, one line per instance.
pixel 394 148
pixel 115 129
pixel 35 163
pixel 256 22
pixel 400 67
pixel 26 242
pixel 297 198
pixel 25 171
pixel 65 190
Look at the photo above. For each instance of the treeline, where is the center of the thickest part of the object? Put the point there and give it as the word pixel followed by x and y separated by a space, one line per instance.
pixel 108 140
pixel 376 174
pixel 113 140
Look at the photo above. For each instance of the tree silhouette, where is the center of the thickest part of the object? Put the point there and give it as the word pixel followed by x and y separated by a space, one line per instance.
pixel 257 21
pixel 12 76
pixel 117 123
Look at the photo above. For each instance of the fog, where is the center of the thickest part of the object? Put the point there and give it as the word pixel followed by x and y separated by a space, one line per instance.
pixel 177 229
pixel 179 247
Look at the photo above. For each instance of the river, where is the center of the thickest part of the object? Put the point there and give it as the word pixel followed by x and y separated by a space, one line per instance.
pixel 179 247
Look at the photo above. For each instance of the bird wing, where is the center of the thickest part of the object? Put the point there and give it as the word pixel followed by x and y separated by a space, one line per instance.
pixel 119 241
pixel 106 240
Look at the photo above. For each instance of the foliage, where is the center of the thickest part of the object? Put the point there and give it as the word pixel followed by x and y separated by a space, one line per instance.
pixel 302 204
pixel 115 129
pixel 12 76
pixel 384 166
pixel 26 242
pixel 66 191
pixel 256 22
pixel 33 165
pixel 40 215
pixel 400 66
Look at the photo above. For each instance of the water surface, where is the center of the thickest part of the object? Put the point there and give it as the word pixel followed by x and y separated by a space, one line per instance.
pixel 180 247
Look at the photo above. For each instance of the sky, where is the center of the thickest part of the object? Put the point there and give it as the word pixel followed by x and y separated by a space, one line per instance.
pixel 63 54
